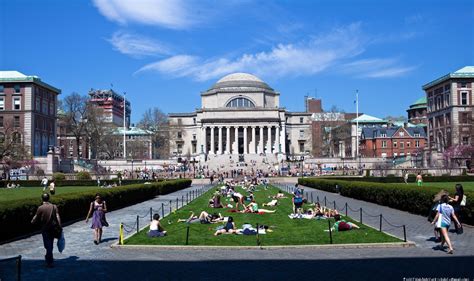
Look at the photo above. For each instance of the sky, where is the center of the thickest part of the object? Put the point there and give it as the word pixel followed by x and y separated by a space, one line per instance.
pixel 165 53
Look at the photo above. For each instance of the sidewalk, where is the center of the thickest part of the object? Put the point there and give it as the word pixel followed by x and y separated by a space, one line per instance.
pixel 418 229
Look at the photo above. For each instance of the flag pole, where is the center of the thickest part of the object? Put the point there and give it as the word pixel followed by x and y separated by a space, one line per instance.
pixel 357 124
pixel 124 127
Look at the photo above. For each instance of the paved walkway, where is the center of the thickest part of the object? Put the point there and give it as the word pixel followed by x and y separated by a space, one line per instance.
pixel 82 259
pixel 418 229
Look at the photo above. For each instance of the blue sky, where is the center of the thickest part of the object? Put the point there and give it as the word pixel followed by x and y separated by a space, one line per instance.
pixel 164 53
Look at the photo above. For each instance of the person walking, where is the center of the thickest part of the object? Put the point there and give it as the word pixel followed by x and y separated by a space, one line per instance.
pixel 47 216
pixel 443 221
pixel 405 177
pixel 52 187
pixel 44 183
pixel 419 180
pixel 456 202
pixel 98 208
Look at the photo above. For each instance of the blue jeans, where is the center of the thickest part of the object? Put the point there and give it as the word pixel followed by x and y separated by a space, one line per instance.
pixel 48 242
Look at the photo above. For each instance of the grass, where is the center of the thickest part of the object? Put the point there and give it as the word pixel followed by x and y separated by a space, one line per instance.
pixel 285 230
pixel 468 186
pixel 35 192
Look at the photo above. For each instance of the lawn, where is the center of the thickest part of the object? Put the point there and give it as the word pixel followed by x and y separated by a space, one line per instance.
pixel 468 186
pixel 35 192
pixel 285 230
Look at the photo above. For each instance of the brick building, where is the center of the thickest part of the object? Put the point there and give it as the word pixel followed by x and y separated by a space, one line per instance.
pixel 28 111
pixel 417 112
pixel 450 109
pixel 391 142
pixel 322 122
pixel 112 105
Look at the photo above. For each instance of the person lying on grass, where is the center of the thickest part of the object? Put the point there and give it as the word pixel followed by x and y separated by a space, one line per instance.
pixel 204 218
pixel 229 228
pixel 278 196
pixel 272 203
pixel 253 208
pixel 342 225
pixel 156 230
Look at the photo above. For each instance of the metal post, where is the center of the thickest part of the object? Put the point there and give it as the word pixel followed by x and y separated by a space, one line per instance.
pixel 18 267
pixel 360 215
pixel 162 210
pixel 138 220
pixel 187 197
pixel 325 201
pixel 312 197
pixel 182 201
pixel 346 209
pixel 334 204
pixel 258 238
pixel 187 233
pixel 306 195
pixel 380 229
pixel 171 206
pixel 151 215
pixel 404 233
pixel 317 198
pixel 330 231
pixel 177 203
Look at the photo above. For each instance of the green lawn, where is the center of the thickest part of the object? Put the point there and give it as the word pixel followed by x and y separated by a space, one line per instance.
pixel 285 230
pixel 35 192
pixel 468 186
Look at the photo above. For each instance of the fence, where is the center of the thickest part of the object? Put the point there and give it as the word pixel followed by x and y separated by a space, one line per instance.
pixel 345 209
pixel 126 229
pixel 14 273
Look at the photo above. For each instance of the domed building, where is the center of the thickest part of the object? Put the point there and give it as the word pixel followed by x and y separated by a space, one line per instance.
pixel 418 111
pixel 240 115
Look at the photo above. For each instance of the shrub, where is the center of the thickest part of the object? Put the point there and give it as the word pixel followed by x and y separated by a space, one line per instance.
pixel 15 216
pixel 59 176
pixel 83 175
pixel 398 196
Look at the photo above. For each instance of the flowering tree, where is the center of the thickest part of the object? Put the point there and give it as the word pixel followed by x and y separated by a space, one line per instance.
pixel 458 153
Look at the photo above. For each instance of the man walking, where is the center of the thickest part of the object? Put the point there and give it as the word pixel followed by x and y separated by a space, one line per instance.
pixel 47 216
pixel 44 183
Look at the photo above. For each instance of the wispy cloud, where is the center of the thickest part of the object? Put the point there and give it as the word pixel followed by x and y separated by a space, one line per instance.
pixel 304 58
pixel 136 45
pixel 174 14
pixel 377 68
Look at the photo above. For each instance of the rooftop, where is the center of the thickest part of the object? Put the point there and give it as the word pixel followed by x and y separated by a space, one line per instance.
pixel 239 76
pixel 13 76
pixel 240 82
pixel 365 118
pixel 133 131
pixel 465 72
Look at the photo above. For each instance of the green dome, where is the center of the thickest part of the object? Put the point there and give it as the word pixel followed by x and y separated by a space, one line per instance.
pixel 420 101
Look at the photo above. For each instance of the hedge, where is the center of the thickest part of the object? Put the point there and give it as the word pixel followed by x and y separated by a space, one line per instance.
pixel 36 183
pixel 15 216
pixel 411 178
pixel 413 199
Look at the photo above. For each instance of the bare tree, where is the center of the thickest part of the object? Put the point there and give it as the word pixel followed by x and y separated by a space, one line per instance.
pixel 75 110
pixel 157 122
pixel 13 151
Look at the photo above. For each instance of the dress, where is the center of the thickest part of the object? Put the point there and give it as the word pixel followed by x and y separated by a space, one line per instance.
pixel 98 216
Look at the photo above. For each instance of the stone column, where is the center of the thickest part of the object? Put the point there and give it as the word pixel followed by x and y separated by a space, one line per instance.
pixel 227 145
pixel 269 143
pixel 283 139
pixel 212 141
pixel 254 142
pixel 236 142
pixel 245 140
pixel 219 151
pixel 262 148
pixel 277 140
pixel 204 137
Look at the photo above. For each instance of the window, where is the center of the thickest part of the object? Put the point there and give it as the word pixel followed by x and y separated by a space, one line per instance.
pixel 16 103
pixel 37 104
pixel 301 120
pixel 402 145
pixel 301 147
pixel 402 134
pixel 1 121
pixel 180 135
pixel 16 121
pixel 417 143
pixel 2 88
pixel 194 136
pixel 384 144
pixel 465 140
pixel 383 135
pixel 301 133
pixel 463 85
pixel 16 137
pixel 464 117
pixel 2 103
pixel 17 88
pixel 194 120
pixel 463 98
pixel 416 135
pixel 394 143
pixel 240 102
pixel 408 144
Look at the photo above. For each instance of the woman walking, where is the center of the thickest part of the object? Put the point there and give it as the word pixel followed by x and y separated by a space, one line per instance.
pixel 98 208
pixel 456 203
pixel 443 221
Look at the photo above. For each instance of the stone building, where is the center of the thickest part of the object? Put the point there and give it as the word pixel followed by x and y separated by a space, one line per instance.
pixel 28 111
pixel 417 112
pixel 240 116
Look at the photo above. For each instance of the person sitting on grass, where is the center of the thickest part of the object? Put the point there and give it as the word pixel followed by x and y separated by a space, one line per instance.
pixel 215 201
pixel 229 228
pixel 342 225
pixel 204 218
pixel 156 230
pixel 253 208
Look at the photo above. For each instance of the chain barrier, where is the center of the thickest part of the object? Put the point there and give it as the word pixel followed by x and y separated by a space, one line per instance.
pixel 369 215
pixel 127 228
pixel 392 225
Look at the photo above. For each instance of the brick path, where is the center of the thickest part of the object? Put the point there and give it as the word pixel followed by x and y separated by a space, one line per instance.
pixel 82 259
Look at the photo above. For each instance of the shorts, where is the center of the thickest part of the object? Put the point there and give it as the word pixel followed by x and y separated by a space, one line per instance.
pixel 419 182
pixel 298 205
pixel 444 225
pixel 236 199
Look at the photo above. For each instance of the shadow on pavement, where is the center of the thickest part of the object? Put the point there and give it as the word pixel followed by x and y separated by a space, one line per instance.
pixel 348 269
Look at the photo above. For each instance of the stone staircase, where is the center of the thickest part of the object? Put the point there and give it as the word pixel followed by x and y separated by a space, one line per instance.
pixel 223 163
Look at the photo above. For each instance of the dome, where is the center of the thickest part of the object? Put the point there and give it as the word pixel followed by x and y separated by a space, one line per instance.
pixel 240 76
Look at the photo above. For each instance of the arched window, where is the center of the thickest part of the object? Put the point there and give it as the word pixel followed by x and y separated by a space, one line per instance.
pixel 240 102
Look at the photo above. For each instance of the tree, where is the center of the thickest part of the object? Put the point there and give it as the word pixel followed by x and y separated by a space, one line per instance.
pixel 458 153
pixel 157 122
pixel 74 113
pixel 99 133
pixel 13 151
